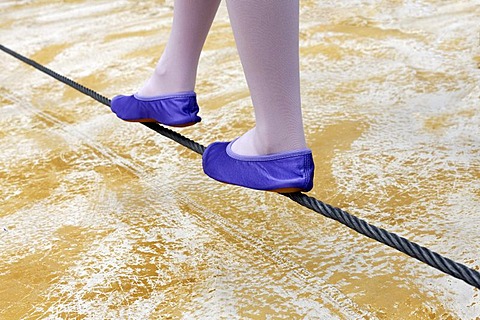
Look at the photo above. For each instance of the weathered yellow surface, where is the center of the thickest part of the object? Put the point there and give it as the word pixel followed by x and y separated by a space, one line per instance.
pixel 102 219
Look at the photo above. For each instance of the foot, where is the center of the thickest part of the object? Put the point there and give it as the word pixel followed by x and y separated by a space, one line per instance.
pixel 177 110
pixel 283 172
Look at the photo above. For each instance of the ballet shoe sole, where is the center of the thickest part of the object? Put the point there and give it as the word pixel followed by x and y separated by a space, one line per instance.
pixel 170 125
pixel 286 190
pixel 280 190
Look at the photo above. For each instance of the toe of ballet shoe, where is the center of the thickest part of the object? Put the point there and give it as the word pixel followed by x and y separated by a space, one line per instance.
pixel 173 110
pixel 120 106
pixel 280 172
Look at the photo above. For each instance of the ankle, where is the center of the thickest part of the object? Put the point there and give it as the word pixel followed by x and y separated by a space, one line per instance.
pixel 165 80
pixel 254 144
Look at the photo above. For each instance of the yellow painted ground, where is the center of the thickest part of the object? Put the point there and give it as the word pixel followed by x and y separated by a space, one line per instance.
pixel 102 219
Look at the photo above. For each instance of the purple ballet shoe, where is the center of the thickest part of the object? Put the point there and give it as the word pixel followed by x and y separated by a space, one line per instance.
pixel 280 172
pixel 176 110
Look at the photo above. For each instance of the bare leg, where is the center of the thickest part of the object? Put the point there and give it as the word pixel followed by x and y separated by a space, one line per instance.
pixel 266 33
pixel 176 70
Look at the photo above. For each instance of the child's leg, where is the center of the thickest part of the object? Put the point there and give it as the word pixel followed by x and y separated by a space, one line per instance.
pixel 273 155
pixel 266 33
pixel 176 70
